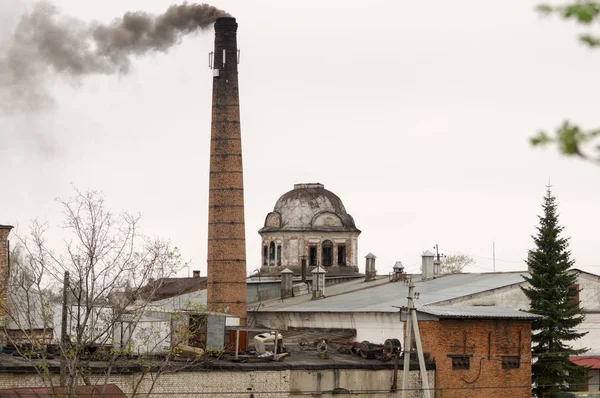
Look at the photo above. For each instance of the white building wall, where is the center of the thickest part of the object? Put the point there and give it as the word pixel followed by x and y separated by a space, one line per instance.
pixel 375 327
pixel 592 339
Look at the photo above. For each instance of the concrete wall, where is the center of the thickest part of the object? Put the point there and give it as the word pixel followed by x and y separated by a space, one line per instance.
pixel 277 383
pixel 375 327
pixel 375 383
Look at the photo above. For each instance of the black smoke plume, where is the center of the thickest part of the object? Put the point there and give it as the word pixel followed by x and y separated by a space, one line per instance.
pixel 47 42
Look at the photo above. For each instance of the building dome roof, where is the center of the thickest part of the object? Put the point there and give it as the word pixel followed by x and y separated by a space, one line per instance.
pixel 309 207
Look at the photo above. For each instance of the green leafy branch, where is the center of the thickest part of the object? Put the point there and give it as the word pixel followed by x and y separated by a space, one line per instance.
pixel 571 140
pixel 583 12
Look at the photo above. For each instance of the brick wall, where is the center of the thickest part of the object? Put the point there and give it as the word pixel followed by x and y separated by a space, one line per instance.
pixel 263 384
pixel 181 384
pixel 485 343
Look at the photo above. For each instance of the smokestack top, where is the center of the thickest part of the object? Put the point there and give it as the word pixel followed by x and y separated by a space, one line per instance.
pixel 226 23
pixel 225 20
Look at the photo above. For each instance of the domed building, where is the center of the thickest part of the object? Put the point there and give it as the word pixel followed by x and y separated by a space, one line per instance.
pixel 309 225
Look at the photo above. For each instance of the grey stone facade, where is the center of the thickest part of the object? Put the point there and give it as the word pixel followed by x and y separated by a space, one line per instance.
pixel 310 224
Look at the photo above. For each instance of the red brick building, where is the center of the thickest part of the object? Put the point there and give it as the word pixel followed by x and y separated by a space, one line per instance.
pixel 478 351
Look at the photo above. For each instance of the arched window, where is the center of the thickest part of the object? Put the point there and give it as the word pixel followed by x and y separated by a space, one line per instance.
pixel 272 253
pixel 326 253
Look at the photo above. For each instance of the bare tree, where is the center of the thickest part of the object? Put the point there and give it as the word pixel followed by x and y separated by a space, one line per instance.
pixel 114 272
pixel 455 263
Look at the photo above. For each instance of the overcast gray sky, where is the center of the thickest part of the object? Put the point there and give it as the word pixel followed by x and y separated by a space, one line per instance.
pixel 417 114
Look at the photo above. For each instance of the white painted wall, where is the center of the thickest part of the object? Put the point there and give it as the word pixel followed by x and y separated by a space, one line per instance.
pixel 592 339
pixel 375 327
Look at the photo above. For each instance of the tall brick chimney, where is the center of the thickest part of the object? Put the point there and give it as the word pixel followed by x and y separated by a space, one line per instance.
pixel 226 231
pixel 4 260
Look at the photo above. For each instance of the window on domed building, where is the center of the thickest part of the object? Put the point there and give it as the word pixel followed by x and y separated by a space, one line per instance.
pixel 341 255
pixel 326 253
pixel 265 255
pixel 272 253
pixel 312 255
pixel 278 254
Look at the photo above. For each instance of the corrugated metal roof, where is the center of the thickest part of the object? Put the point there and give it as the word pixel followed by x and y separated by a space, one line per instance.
pixel 383 296
pixel 477 312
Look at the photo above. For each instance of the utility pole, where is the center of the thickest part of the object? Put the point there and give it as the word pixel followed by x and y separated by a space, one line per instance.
pixel 438 260
pixel 63 333
pixel 408 341
pixel 413 324
pixel 494 254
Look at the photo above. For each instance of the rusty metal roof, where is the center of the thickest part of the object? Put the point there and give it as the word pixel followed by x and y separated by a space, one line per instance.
pixel 171 287
pixel 592 361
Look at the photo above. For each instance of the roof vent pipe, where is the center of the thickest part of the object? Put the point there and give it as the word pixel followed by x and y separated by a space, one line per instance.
pixel 398 271
pixel 370 271
pixel 286 283
pixel 427 265
pixel 318 283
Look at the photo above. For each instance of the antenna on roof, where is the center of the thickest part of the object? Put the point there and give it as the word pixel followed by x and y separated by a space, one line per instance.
pixel 438 260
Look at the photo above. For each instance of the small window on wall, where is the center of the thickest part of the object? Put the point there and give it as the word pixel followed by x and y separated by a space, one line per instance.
pixel 511 362
pixel 341 255
pixel 326 253
pixel 461 362
pixel 312 255
pixel 272 253
pixel 278 254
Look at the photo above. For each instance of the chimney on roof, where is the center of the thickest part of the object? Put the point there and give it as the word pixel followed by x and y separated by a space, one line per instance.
pixel 318 283
pixel 398 271
pixel 196 273
pixel 4 266
pixel 286 283
pixel 226 251
pixel 529 260
pixel 370 267
pixel 427 265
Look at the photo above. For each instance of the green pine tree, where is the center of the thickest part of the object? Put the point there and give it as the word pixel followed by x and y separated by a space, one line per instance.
pixel 552 295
